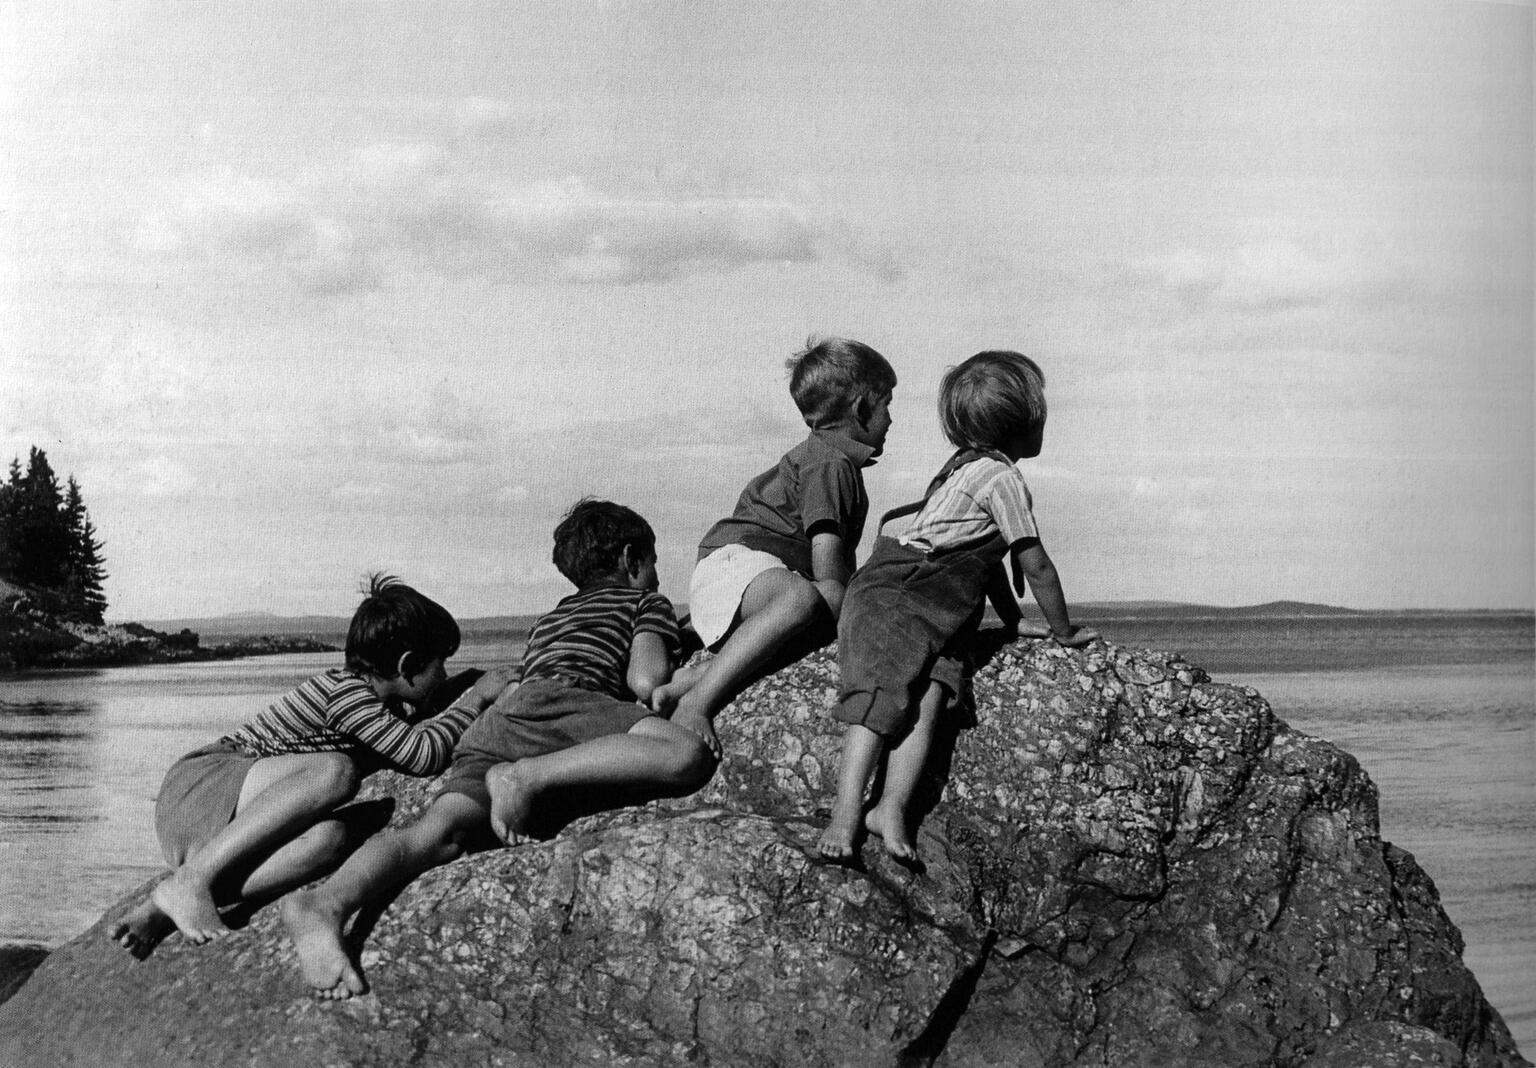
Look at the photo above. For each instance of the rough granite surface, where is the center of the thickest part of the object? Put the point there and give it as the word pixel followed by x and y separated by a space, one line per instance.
pixel 1124 864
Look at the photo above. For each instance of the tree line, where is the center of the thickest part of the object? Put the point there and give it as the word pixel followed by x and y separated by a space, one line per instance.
pixel 47 541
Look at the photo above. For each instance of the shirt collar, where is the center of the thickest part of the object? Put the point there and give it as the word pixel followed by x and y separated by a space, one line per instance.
pixel 857 451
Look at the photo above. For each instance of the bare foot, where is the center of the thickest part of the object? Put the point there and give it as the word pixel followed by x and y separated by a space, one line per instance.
pixel 143 929
pixel 190 906
pixel 315 932
pixel 839 841
pixel 665 697
pixel 691 720
pixel 891 826
pixel 511 802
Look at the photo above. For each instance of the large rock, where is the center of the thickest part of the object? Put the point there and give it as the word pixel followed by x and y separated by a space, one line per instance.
pixel 1125 864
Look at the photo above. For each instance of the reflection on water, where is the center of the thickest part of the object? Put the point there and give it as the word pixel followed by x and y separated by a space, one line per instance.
pixel 82 754
pixel 47 750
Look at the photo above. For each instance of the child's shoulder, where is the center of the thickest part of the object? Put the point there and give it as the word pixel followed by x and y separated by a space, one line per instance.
pixel 986 468
pixel 337 677
pixel 607 597
pixel 831 451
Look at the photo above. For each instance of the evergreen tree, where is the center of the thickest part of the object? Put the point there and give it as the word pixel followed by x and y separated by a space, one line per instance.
pixel 47 540
pixel 9 492
pixel 86 573
pixel 41 535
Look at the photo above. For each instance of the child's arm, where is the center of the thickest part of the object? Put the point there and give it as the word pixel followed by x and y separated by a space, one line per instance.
pixel 1032 561
pixel 1005 601
pixel 649 664
pixel 829 569
pixel 423 748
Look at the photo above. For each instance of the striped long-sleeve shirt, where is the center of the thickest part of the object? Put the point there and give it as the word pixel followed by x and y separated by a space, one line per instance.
pixel 338 712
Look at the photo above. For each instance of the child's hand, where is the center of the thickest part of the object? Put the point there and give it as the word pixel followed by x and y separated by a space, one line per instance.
pixel 1076 638
pixel 488 687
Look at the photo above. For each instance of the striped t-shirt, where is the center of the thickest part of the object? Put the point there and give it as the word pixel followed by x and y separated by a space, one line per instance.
pixel 338 712
pixel 587 636
pixel 979 497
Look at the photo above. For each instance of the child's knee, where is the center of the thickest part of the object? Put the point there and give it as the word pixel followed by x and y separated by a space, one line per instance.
pixel 692 762
pixel 334 777
pixel 800 600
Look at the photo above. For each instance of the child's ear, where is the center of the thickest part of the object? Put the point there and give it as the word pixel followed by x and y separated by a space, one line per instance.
pixel 407 667
pixel 629 557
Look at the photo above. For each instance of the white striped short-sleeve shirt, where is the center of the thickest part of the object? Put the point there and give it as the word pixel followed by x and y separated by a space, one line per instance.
pixel 977 498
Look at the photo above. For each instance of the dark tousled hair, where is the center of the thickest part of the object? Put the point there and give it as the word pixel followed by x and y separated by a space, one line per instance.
pixel 991 397
pixel 590 540
pixel 394 620
pixel 831 374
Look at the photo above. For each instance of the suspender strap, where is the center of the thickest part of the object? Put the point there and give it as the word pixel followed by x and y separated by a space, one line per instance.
pixel 959 459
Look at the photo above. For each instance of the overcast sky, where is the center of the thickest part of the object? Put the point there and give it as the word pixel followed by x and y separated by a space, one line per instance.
pixel 299 291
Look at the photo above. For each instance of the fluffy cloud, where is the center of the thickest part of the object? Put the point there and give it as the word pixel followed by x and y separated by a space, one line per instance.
pixel 1267 275
pixel 229 219
pixel 398 210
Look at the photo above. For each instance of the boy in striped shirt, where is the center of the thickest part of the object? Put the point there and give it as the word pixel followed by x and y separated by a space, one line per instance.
pixel 253 815
pixel 578 719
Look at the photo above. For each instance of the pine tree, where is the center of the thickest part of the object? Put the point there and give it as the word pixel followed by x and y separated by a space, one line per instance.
pixel 48 543
pixel 40 534
pixel 9 494
pixel 83 588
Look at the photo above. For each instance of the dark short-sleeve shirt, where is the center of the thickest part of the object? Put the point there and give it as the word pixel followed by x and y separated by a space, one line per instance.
pixel 817 487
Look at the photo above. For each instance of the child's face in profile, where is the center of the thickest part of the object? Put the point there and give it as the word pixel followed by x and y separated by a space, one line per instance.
pixel 1025 444
pixel 873 422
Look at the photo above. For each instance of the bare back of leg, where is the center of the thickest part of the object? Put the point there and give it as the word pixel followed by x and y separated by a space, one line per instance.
pixel 777 608
pixel 282 796
pixel 315 918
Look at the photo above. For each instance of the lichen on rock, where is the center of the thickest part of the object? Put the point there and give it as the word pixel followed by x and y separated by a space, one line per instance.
pixel 1125 863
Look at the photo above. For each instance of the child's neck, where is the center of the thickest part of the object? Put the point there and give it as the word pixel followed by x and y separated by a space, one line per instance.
pixel 613 578
pixel 845 427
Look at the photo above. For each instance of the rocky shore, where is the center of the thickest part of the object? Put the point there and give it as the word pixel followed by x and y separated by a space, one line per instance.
pixel 1125 864
pixel 31 638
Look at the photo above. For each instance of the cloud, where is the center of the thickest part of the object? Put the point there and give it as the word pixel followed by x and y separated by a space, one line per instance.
pixel 434 429
pixel 164 477
pixel 398 210
pixel 362 493
pixel 238 221
pixel 1267 275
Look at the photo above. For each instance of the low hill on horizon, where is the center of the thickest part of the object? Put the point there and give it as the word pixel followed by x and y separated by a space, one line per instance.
pixel 1183 610
pixel 246 624
pixel 252 623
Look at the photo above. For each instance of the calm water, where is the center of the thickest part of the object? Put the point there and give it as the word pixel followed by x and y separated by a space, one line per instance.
pixel 1441 710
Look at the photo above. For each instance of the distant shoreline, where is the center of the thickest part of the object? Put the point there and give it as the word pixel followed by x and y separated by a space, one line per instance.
pixel 245 624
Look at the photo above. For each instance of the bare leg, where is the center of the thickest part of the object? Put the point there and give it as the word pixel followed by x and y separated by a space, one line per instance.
pixel 294 864
pixel 315 918
pixel 861 749
pixel 281 796
pixel 888 818
pixel 776 606
pixel 654 752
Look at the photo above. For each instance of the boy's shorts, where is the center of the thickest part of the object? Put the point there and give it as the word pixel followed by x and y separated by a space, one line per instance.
pixel 718 583
pixel 198 798
pixel 541 716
